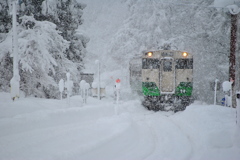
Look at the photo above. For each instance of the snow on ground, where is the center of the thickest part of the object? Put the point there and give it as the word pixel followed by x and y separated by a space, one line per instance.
pixel 33 128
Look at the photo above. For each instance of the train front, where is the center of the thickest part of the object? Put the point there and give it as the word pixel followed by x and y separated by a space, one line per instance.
pixel 167 78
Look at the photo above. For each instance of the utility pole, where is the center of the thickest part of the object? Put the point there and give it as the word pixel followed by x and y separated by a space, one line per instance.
pixel 233 41
pixel 98 79
pixel 16 78
pixel 233 68
pixel 237 71
pixel 237 84
pixel 232 58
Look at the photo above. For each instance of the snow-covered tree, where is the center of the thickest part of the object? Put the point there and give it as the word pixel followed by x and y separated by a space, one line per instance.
pixel 41 49
pixel 67 15
pixel 5 20
pixel 53 54
pixel 5 60
pixel 42 60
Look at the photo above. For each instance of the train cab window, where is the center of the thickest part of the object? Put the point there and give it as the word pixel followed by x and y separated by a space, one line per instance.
pixel 184 64
pixel 167 65
pixel 150 63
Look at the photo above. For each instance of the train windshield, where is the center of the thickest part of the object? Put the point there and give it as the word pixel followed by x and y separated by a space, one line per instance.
pixel 150 63
pixel 184 64
pixel 167 65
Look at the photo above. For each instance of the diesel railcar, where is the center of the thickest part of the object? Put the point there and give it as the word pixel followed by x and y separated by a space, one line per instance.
pixel 167 79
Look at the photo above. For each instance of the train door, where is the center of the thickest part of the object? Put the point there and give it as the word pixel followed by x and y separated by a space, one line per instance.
pixel 167 76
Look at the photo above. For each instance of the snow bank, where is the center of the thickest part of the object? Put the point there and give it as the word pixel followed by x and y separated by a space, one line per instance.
pixel 205 127
pixel 50 129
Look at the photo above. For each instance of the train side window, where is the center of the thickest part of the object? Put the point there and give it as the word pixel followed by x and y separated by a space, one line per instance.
pixel 148 63
pixel 184 64
pixel 167 65
pixel 181 64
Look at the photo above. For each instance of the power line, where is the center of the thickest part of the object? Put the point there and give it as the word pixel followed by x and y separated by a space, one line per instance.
pixel 192 5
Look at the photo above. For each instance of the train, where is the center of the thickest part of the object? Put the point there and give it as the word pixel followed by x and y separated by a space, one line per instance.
pixel 166 78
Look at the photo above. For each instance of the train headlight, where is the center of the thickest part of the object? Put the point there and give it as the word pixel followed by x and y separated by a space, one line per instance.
pixel 149 54
pixel 184 54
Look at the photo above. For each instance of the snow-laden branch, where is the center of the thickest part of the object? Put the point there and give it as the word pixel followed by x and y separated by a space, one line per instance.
pixel 40 44
pixel 233 9
pixel 231 5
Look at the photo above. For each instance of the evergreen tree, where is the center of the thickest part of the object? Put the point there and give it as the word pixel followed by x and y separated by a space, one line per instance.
pixel 31 7
pixel 45 53
pixel 41 50
pixel 5 19
pixel 66 14
pixel 5 60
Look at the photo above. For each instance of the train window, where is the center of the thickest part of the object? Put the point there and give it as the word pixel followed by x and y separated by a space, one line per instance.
pixel 184 64
pixel 150 63
pixel 167 65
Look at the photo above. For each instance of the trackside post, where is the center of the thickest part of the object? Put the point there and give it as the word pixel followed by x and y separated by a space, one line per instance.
pixel 117 90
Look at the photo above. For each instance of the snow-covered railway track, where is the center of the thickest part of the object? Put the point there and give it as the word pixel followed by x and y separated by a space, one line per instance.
pixel 171 141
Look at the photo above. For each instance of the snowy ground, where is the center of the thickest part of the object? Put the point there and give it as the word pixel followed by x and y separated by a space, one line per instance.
pixel 34 128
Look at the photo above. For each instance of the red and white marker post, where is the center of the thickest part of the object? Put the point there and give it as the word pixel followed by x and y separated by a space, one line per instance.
pixel 117 87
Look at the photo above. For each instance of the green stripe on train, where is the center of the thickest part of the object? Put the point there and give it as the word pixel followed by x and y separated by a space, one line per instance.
pixel 184 89
pixel 151 89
